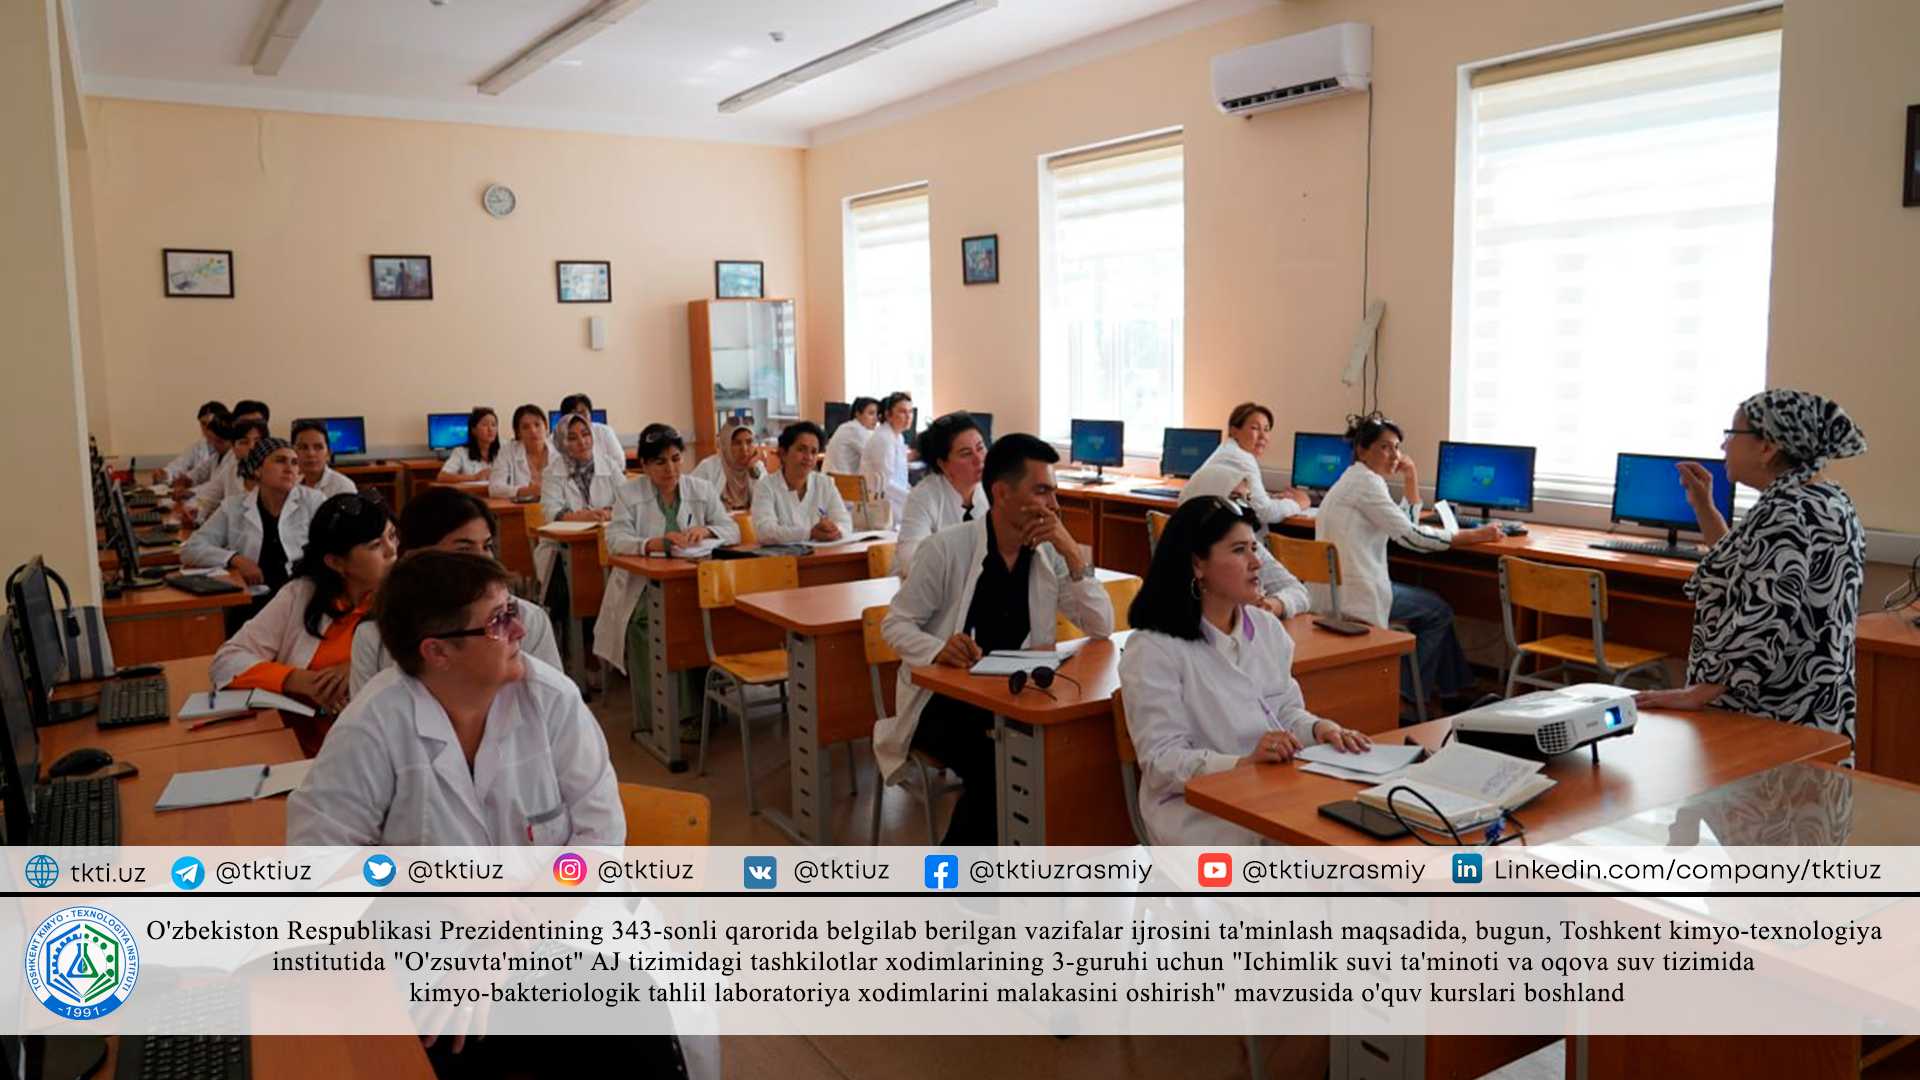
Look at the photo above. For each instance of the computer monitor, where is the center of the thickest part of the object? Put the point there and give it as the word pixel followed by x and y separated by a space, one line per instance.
pixel 1184 449
pixel 19 752
pixel 126 547
pixel 446 430
pixel 1098 443
pixel 1485 475
pixel 1319 458
pixel 37 638
pixel 553 420
pixel 347 435
pixel 1647 491
pixel 985 420
pixel 838 412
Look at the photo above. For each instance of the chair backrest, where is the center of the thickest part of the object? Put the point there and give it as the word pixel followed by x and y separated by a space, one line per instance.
pixel 1317 561
pixel 534 518
pixel 880 560
pixel 664 817
pixel 853 488
pixel 1121 592
pixel 606 551
pixel 1555 590
pixel 744 521
pixel 1156 524
pixel 878 651
pixel 1065 630
pixel 1129 766
pixel 721 580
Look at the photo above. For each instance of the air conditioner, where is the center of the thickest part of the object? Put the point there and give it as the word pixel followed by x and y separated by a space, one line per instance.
pixel 1294 70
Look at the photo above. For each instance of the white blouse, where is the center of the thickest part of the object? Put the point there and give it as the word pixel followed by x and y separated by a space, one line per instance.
pixel 512 470
pixel 462 463
pixel 1267 508
pixel 782 517
pixel 932 505
pixel 843 450
pixel 1358 517
pixel 332 483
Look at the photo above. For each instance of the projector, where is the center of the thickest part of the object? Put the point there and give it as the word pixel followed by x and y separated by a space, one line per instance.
pixel 1549 722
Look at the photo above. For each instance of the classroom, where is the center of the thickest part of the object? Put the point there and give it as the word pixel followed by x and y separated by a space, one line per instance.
pixel 894 422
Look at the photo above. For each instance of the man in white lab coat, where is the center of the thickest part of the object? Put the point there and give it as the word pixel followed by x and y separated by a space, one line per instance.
pixel 992 583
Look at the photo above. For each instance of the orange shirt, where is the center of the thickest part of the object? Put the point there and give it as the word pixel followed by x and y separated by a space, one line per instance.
pixel 336 648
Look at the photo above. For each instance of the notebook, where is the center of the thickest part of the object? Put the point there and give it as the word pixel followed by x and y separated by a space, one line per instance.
pixel 1468 784
pixel 208 707
pixel 1008 661
pixel 241 783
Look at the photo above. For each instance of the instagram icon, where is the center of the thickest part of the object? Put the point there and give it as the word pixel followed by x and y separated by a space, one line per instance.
pixel 569 869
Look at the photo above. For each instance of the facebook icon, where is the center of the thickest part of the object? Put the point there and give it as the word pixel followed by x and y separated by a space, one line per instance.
pixel 1466 868
pixel 943 872
pixel 761 871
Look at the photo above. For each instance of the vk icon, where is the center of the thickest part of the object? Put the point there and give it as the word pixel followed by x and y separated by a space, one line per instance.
pixel 761 871
pixel 943 872
pixel 1466 868
pixel 188 872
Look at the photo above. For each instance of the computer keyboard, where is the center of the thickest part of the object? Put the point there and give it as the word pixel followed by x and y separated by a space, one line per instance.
pixel 127 702
pixel 74 812
pixel 178 1057
pixel 144 519
pixel 1659 550
pixel 153 538
pixel 1510 528
pixel 202 585
pixel 142 500
pixel 1158 493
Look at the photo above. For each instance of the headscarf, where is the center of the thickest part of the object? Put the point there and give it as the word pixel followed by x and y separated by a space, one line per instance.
pixel 738 493
pixel 581 472
pixel 1217 479
pixel 1812 428
pixel 250 468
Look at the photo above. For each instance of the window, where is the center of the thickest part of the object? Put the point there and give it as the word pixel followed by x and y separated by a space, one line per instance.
pixel 890 297
pixel 1113 290
pixel 1614 241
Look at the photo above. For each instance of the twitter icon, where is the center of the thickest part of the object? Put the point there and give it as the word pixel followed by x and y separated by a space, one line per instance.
pixel 378 871
pixel 188 872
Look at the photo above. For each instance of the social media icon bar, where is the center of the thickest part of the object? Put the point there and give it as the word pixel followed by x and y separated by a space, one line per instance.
pixel 1215 869
pixel 570 869
pixel 1466 868
pixel 379 870
pixel 188 872
pixel 760 871
pixel 942 872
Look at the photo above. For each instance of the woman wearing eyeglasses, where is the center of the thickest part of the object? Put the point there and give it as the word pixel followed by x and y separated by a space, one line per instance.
pixel 1208 674
pixel 1776 600
pixel 301 643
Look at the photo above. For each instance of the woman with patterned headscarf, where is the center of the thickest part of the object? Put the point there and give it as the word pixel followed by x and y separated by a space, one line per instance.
pixel 1777 597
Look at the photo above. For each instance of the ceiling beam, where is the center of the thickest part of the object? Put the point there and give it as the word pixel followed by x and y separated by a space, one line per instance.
pixel 899 34
pixel 278 33
pixel 557 43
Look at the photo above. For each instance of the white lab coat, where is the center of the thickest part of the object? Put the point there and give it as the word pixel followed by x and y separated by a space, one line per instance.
pixel 781 517
pixel 512 470
pixel 883 464
pixel 843 450
pixel 606 445
pixel 1219 479
pixel 714 472
pixel 391 771
pixel 931 607
pixel 461 463
pixel 1197 707
pixel 370 655
pixel 1358 517
pixel 932 505
pixel 236 529
pixel 195 458
pixel 1268 509
pixel 222 483
pixel 558 496
pixel 636 520
pixel 331 484
pixel 277 634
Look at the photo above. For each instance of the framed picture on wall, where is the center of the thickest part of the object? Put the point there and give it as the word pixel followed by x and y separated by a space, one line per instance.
pixel 1913 157
pixel 197 272
pixel 980 259
pixel 584 282
pixel 401 277
pixel 735 279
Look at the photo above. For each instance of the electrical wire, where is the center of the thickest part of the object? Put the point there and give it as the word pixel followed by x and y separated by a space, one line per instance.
pixel 1366 269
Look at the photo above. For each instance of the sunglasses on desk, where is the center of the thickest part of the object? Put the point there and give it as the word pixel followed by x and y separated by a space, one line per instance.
pixel 1041 678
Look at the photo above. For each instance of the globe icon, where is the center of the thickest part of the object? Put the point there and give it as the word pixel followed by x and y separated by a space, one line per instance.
pixel 42 871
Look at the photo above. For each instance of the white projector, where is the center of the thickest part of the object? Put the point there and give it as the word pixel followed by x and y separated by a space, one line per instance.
pixel 1549 722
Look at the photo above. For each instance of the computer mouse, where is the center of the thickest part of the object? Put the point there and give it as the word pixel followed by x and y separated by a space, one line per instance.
pixel 79 762
pixel 142 671
pixel 1516 530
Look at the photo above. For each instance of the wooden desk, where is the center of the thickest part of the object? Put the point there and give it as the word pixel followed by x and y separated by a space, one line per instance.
pixel 260 822
pixel 675 641
pixel 583 583
pixel 183 677
pixel 1059 771
pixel 1889 680
pixel 516 550
pixel 1112 518
pixel 164 623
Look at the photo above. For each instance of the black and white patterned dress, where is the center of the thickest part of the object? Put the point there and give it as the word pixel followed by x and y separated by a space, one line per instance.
pixel 1776 605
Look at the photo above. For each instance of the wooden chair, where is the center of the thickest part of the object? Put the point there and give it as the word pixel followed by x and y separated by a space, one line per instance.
pixel 853 487
pixel 744 521
pixel 1318 562
pixel 880 654
pixel 880 559
pixel 1129 768
pixel 664 817
pixel 1573 592
pixel 729 674
pixel 1120 593
pixel 1156 524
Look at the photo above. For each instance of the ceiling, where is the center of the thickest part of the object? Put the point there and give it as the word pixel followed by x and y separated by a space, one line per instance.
pixel 661 71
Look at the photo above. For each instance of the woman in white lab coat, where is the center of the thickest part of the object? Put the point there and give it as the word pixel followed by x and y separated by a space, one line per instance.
pixel 225 481
pixel 735 469
pixel 653 515
pixel 448 519
pixel 1281 593
pixel 606 441
pixel 301 643
pixel 475 460
pixel 313 453
pixel 237 537
pixel 578 485
pixel 843 448
pixel 522 464
pixel 1359 516
pixel 956 454
pixel 1249 432
pixel 799 502
pixel 883 461
pixel 1208 673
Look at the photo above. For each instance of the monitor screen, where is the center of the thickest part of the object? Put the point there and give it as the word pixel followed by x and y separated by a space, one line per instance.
pixel 1482 474
pixel 1184 449
pixel 838 412
pixel 1647 491
pixel 985 420
pixel 1099 442
pixel 37 629
pixel 347 434
pixel 446 430
pixel 1319 459
pixel 553 419
pixel 21 745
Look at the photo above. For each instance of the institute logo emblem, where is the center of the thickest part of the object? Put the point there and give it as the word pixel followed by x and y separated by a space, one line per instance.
pixel 82 963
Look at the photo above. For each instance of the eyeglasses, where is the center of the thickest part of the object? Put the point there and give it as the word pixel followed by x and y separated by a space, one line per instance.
pixel 499 627
pixel 1041 678
pixel 1732 431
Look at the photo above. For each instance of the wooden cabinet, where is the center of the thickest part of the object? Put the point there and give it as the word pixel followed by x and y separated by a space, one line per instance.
pixel 745 366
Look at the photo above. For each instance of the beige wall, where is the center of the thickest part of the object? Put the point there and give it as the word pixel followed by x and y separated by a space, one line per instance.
pixel 303 201
pixel 1275 216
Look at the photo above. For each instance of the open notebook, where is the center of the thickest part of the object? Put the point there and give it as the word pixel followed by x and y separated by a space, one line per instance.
pixel 211 787
pixel 1470 785
pixel 209 707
